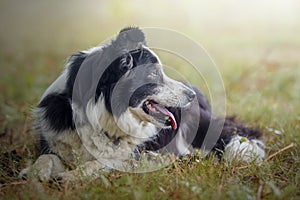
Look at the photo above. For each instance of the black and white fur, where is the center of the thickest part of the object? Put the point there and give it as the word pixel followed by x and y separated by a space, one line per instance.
pixel 116 101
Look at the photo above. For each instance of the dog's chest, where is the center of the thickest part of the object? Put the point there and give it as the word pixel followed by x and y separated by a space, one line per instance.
pixel 103 146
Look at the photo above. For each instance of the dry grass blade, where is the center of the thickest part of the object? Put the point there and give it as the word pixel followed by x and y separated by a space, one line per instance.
pixel 280 151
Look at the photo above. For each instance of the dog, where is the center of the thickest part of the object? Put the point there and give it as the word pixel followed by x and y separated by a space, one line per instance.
pixel 114 101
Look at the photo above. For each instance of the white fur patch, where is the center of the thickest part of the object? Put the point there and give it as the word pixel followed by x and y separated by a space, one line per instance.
pixel 99 136
pixel 181 144
pixel 242 149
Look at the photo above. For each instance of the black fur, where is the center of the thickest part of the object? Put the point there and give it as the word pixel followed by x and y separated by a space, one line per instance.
pixel 141 93
pixel 75 62
pixel 58 111
pixel 57 106
pixel 44 146
pixel 113 73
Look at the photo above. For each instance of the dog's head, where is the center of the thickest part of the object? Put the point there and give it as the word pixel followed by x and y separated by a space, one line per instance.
pixel 132 82
pixel 143 88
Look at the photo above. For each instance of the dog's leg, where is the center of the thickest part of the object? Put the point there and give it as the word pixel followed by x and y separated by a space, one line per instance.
pixel 90 169
pixel 47 166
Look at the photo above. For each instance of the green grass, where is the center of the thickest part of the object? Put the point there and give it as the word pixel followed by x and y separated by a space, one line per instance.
pixel 261 75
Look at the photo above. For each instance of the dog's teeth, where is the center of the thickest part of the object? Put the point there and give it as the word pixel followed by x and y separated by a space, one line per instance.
pixel 168 119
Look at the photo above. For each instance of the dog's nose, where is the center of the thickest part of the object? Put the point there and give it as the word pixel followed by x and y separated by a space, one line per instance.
pixel 190 94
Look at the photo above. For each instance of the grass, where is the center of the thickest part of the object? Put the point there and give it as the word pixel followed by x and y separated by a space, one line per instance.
pixel 261 76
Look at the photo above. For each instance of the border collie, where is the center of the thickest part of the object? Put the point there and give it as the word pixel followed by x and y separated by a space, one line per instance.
pixel 114 101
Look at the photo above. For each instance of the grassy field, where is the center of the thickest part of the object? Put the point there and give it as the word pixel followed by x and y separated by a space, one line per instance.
pixel 258 58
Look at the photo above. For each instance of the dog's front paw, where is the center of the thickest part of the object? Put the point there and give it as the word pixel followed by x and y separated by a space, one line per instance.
pixel 246 150
pixel 67 177
pixel 89 170
pixel 46 167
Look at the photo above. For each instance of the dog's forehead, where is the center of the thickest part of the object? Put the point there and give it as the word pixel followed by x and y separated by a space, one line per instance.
pixel 145 55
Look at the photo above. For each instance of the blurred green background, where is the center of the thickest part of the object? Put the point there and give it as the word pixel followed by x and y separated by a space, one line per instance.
pixel 34 33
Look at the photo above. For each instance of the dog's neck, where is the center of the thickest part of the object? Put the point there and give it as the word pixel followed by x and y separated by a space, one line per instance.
pixel 125 128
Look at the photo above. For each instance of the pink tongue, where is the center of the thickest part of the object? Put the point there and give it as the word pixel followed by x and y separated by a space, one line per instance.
pixel 168 113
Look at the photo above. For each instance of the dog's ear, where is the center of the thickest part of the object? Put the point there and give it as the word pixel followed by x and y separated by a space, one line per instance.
pixel 126 62
pixel 133 34
pixel 129 39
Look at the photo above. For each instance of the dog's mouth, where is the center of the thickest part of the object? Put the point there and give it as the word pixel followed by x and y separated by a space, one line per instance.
pixel 160 113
